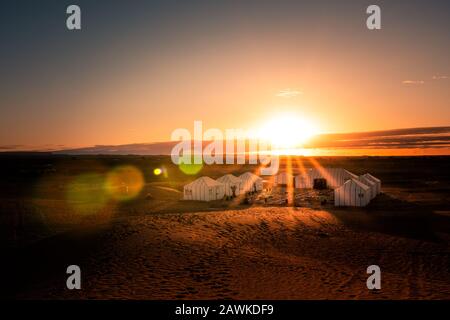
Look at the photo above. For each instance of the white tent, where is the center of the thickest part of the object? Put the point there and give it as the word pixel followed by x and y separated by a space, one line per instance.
pixel 284 178
pixel 204 189
pixel 250 182
pixel 231 182
pixel 335 177
pixel 376 180
pixel 371 184
pixel 303 181
pixel 352 193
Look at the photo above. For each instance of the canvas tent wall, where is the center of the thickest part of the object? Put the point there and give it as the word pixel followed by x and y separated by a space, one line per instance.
pixel 352 193
pixel 230 182
pixel 376 180
pixel 204 189
pixel 250 182
pixel 284 178
pixel 372 185
pixel 303 181
pixel 335 177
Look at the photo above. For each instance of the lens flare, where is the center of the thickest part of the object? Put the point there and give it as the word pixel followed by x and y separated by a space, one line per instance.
pixel 157 171
pixel 124 183
pixel 190 169
pixel 86 193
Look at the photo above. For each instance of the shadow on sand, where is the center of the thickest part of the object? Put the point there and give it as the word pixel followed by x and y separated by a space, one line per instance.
pixel 46 261
pixel 389 215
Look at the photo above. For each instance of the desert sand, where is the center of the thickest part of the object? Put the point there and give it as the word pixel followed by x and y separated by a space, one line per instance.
pixel 255 253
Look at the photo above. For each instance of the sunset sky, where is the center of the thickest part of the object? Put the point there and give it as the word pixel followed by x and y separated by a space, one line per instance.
pixel 140 69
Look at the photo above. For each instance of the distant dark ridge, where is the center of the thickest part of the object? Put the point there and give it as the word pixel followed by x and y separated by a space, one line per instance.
pixel 423 137
pixel 159 148
pixel 26 153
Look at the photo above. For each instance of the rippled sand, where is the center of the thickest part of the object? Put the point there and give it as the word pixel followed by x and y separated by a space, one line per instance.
pixel 257 253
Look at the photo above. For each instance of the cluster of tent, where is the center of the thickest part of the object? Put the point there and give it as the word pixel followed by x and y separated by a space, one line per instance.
pixel 208 189
pixel 349 189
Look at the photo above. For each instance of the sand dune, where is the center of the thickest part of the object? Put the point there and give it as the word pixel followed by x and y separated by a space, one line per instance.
pixel 257 253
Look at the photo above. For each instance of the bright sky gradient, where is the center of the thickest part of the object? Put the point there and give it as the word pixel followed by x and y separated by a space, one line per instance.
pixel 139 69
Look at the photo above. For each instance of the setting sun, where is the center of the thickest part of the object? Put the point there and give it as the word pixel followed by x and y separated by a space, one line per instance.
pixel 287 131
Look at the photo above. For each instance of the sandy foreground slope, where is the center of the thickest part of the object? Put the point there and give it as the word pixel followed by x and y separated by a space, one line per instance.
pixel 256 253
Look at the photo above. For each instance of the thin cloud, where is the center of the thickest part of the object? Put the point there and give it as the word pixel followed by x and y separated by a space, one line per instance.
pixel 11 147
pixel 439 77
pixel 288 93
pixel 413 82
pixel 432 137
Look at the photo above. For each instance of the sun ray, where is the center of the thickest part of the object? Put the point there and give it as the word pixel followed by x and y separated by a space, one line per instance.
pixel 290 185
pixel 301 166
pixel 322 171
